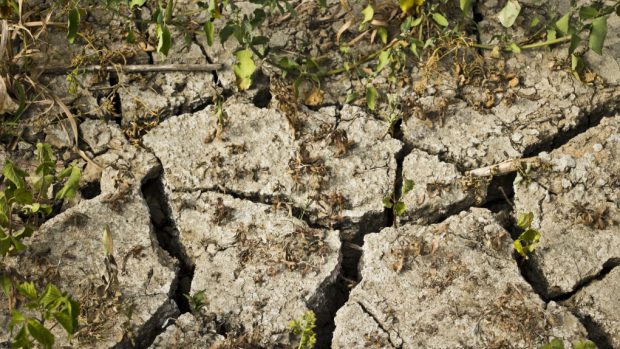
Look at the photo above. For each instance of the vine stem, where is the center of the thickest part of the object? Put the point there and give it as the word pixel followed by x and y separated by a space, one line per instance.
pixel 363 60
pixel 525 47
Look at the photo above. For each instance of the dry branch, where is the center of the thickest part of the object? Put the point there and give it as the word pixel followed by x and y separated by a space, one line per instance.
pixel 508 166
pixel 139 68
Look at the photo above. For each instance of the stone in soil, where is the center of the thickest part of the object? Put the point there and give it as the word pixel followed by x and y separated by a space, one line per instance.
pixel 599 303
pixel 333 173
pixel 575 199
pixel 452 284
pixel 259 267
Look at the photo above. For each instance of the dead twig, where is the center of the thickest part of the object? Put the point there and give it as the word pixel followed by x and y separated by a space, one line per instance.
pixel 508 166
pixel 139 68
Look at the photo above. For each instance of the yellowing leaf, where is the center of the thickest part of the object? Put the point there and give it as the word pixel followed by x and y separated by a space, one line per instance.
pixel 406 5
pixel 368 13
pixel 508 15
pixel 244 69
pixel 108 243
pixel 371 97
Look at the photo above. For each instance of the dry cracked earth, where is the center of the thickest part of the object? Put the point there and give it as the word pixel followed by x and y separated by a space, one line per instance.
pixel 272 217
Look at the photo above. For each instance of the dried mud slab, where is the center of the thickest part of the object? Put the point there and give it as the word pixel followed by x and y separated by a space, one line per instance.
pixel 439 188
pixel 68 251
pixel 188 331
pixel 335 173
pixel 461 288
pixel 259 267
pixel 599 303
pixel 526 101
pixel 575 199
pixel 169 93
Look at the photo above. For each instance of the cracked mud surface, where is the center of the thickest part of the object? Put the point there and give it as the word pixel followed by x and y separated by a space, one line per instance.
pixel 272 214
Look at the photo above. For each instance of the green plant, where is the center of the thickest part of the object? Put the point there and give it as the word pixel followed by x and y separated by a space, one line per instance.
pixel 397 205
pixel 49 304
pixel 527 241
pixel 558 344
pixel 196 301
pixel 304 328
pixel 24 200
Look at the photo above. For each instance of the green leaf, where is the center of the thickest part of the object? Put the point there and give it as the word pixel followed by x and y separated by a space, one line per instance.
pixel 138 3
pixel 534 22
pixel 131 37
pixel 371 97
pixel 563 24
pixel 164 39
pixel 384 60
pixel 585 344
pixel 440 19
pixel 40 333
pixel 399 208
pixel 71 186
pixel 45 154
pixel 21 339
pixel 6 285
pixel 68 316
pixel 17 317
pixel 259 40
pixel 209 32
pixel 575 40
pixel 226 32
pixel 49 296
pixel 588 12
pixel 598 34
pixel 28 290
pixel 525 220
pixel 368 13
pixel 258 18
pixel 73 25
pixel 465 5
pixel 387 202
pixel 508 15
pixel 352 96
pixel 514 48
pixel 554 344
pixel 289 64
pixel 14 174
pixel 244 69
pixel 519 248
pixel 551 34
pixel 407 185
pixel 383 34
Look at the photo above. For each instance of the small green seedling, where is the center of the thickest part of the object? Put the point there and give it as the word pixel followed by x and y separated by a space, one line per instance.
pixel 196 301
pixel 398 206
pixel 558 344
pixel 304 328
pixel 527 241
pixel 50 304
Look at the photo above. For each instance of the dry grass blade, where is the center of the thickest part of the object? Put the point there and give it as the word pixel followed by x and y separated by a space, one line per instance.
pixel 4 38
pixel 7 105
pixel 343 29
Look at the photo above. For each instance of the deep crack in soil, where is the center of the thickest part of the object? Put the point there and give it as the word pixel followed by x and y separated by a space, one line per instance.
pixel 168 239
